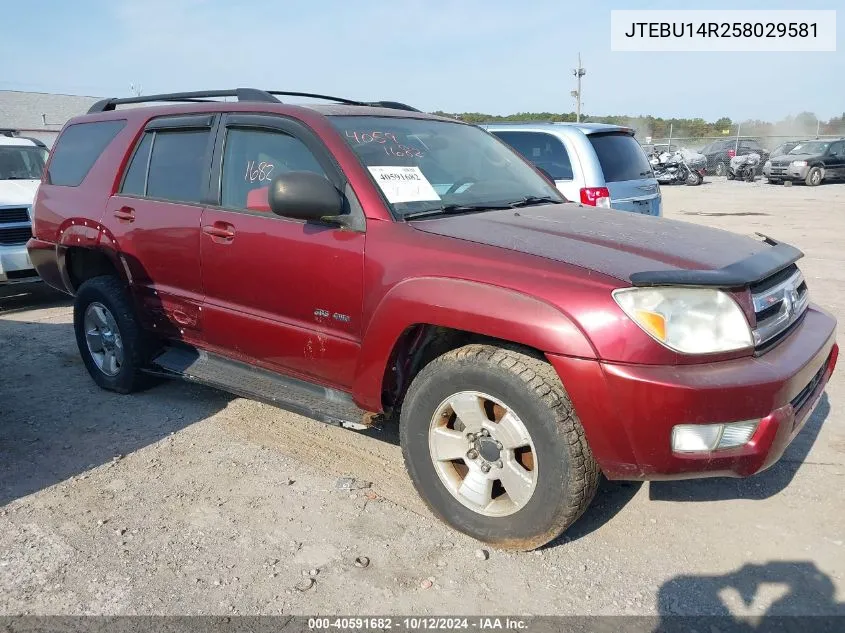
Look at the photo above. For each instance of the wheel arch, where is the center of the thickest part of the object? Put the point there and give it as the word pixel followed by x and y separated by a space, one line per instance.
pixel 422 318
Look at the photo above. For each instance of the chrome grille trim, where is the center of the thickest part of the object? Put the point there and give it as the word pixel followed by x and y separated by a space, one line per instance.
pixel 779 307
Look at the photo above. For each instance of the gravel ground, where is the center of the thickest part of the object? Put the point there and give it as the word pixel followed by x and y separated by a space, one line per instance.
pixel 184 500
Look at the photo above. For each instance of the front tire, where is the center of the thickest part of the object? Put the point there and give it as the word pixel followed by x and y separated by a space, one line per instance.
pixel 814 177
pixel 493 446
pixel 694 178
pixel 111 342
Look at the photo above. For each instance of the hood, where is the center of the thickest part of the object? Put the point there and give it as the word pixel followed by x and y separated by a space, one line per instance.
pixel 607 241
pixel 20 192
pixel 788 158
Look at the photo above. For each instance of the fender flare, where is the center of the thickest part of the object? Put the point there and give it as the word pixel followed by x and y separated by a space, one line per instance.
pixel 469 306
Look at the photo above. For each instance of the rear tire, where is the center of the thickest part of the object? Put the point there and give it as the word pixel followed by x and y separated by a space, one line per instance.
pixel 532 493
pixel 111 341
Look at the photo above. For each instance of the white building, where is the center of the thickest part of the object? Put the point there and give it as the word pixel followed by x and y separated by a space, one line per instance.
pixel 39 115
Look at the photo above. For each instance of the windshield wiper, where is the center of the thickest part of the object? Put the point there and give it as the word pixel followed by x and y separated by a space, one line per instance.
pixel 455 209
pixel 529 201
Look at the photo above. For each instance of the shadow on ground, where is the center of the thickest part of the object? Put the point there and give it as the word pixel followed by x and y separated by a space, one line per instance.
pixel 777 596
pixel 55 423
pixel 761 486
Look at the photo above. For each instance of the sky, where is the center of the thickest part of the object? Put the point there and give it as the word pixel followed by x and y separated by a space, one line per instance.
pixel 493 56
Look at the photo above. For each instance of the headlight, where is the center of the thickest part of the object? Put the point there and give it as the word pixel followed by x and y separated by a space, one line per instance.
pixel 768 163
pixel 687 320
pixel 799 163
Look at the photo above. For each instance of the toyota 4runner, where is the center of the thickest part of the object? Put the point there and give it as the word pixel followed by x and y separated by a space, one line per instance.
pixel 361 263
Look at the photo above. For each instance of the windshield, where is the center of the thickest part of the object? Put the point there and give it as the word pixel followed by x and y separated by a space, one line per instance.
pixel 813 147
pixel 21 162
pixel 424 165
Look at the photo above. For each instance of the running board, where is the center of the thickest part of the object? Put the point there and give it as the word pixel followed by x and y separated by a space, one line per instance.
pixel 313 401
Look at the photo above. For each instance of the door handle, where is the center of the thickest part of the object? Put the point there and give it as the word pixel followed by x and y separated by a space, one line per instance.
pixel 220 231
pixel 125 213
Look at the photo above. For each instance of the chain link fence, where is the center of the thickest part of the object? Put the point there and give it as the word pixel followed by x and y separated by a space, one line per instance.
pixel 768 142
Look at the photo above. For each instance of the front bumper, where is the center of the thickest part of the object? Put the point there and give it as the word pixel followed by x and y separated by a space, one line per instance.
pixel 785 172
pixel 15 266
pixel 628 411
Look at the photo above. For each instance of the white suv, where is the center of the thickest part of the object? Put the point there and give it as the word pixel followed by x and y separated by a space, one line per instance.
pixel 21 164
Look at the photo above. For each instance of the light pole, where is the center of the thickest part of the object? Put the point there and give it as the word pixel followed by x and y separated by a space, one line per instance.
pixel 578 72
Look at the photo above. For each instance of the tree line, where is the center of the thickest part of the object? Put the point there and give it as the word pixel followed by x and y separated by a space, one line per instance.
pixel 803 124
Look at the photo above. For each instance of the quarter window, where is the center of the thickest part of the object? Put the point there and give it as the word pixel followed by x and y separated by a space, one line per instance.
pixel 78 148
pixel 252 158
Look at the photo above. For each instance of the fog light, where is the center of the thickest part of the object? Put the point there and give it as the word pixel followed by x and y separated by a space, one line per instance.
pixel 694 438
pixel 737 434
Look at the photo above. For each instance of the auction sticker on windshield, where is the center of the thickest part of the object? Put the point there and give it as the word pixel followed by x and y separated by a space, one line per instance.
pixel 403 184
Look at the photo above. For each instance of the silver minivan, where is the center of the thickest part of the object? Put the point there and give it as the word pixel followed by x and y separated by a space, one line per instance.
pixel 592 163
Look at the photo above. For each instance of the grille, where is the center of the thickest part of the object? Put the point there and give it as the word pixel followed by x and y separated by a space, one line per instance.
pixel 779 304
pixel 801 399
pixel 18 235
pixel 16 214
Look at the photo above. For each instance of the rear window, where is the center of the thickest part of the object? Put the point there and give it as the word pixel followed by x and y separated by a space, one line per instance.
pixel 621 157
pixel 544 150
pixel 78 148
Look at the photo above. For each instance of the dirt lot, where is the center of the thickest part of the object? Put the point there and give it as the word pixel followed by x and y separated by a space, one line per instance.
pixel 186 500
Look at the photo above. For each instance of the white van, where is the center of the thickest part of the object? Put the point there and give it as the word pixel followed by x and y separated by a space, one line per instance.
pixel 592 163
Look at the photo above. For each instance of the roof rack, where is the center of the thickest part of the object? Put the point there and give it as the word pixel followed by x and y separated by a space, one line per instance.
pixel 242 94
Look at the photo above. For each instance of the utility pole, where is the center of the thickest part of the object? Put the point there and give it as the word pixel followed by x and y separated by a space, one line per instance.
pixel 578 72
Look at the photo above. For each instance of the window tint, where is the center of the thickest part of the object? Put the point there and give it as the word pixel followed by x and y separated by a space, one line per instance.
pixel 621 157
pixel 78 148
pixel 252 158
pixel 136 176
pixel 544 150
pixel 837 149
pixel 176 165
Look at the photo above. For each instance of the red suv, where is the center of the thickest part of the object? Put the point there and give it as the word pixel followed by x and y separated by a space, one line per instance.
pixel 366 262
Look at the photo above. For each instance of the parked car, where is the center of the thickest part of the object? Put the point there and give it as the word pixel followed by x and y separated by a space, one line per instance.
pixel 21 165
pixel 814 162
pixel 784 148
pixel 596 164
pixel 368 263
pixel 719 153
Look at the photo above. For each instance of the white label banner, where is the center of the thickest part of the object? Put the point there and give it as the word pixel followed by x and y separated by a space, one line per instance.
pixel 403 184
pixel 723 30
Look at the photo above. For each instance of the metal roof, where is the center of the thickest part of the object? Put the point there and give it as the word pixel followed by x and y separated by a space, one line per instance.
pixel 31 111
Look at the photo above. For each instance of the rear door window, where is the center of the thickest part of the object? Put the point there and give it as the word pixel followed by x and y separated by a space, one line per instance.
pixel 621 157
pixel 78 148
pixel 177 165
pixel 546 151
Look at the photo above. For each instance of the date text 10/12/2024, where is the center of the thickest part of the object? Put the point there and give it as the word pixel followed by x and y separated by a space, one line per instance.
pixel 410 623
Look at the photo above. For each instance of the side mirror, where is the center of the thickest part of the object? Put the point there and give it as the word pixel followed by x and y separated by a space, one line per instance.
pixel 304 195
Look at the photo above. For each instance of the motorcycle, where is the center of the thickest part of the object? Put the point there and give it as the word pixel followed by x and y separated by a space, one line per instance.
pixel 683 166
pixel 744 167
